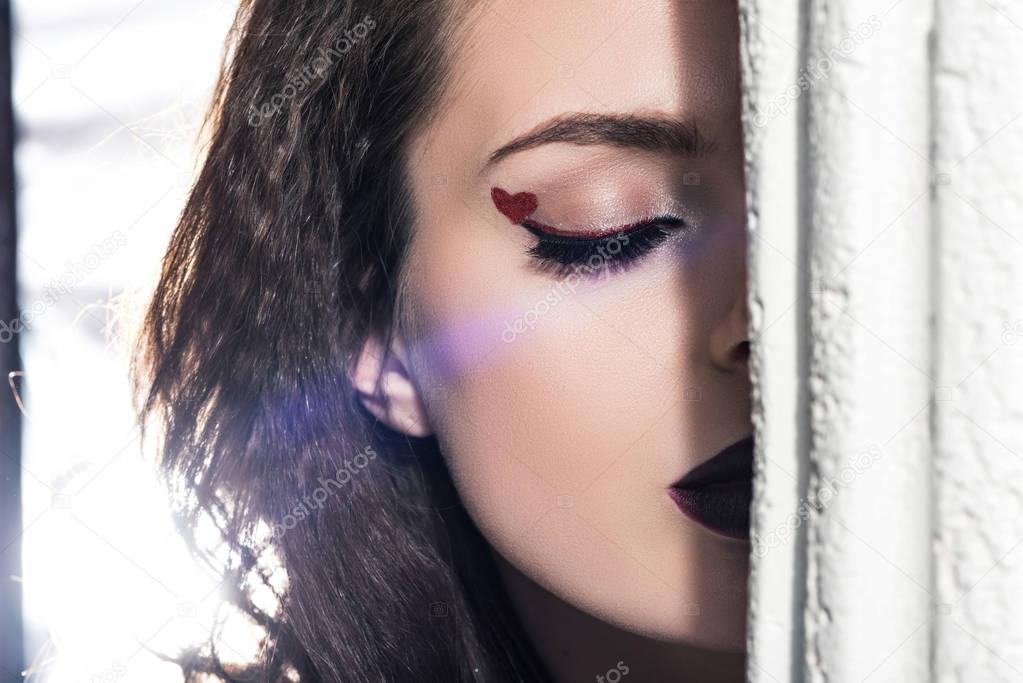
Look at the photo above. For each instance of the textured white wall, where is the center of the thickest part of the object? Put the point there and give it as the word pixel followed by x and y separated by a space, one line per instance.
pixel 868 253
pixel 885 152
pixel 978 147
pixel 771 56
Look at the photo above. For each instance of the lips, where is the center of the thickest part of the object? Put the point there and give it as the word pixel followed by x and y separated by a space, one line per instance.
pixel 717 493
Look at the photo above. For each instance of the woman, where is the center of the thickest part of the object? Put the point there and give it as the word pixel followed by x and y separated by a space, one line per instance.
pixel 454 328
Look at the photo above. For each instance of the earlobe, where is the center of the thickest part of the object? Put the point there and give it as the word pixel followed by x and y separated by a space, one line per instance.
pixel 385 387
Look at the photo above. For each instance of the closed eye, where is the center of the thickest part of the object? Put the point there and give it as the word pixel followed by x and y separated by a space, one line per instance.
pixel 562 253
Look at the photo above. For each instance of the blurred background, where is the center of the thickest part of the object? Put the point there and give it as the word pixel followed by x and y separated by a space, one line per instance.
pixel 107 99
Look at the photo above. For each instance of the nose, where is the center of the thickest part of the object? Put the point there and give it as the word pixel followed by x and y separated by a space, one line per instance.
pixel 730 342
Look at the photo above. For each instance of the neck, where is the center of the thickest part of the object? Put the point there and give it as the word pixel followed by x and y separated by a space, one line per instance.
pixel 576 646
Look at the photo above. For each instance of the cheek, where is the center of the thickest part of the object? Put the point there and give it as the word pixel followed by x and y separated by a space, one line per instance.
pixel 535 385
pixel 551 406
pixel 540 390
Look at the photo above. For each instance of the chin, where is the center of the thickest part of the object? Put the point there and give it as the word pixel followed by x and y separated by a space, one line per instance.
pixel 699 601
pixel 711 625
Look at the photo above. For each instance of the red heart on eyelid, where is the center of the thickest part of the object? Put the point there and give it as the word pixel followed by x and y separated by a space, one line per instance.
pixel 516 207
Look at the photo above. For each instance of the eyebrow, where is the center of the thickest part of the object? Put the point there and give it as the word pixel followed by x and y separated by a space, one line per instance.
pixel 650 133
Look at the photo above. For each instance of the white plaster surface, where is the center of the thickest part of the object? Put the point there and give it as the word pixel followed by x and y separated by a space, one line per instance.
pixel 978 146
pixel 886 244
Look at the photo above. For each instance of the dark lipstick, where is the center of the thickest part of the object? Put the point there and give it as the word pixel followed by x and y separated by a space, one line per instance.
pixel 717 493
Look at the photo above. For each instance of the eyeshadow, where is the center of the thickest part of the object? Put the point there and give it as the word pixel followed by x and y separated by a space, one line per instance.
pixel 517 207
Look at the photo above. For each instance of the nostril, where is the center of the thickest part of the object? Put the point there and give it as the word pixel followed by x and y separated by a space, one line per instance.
pixel 741 353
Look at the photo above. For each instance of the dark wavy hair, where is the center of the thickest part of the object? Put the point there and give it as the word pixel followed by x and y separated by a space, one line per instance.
pixel 285 260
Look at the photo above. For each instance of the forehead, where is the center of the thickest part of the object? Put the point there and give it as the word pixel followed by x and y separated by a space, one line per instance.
pixel 517 63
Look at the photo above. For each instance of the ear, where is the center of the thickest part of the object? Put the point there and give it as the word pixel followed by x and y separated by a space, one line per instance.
pixel 384 384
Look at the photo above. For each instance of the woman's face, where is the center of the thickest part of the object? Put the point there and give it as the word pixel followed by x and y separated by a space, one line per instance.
pixel 570 388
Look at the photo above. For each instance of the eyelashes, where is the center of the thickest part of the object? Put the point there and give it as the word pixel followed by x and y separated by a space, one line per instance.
pixel 561 253
pixel 565 252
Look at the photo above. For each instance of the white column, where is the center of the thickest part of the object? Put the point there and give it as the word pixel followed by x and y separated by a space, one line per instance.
pixel 869 250
pixel 772 123
pixel 978 145
pixel 885 159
